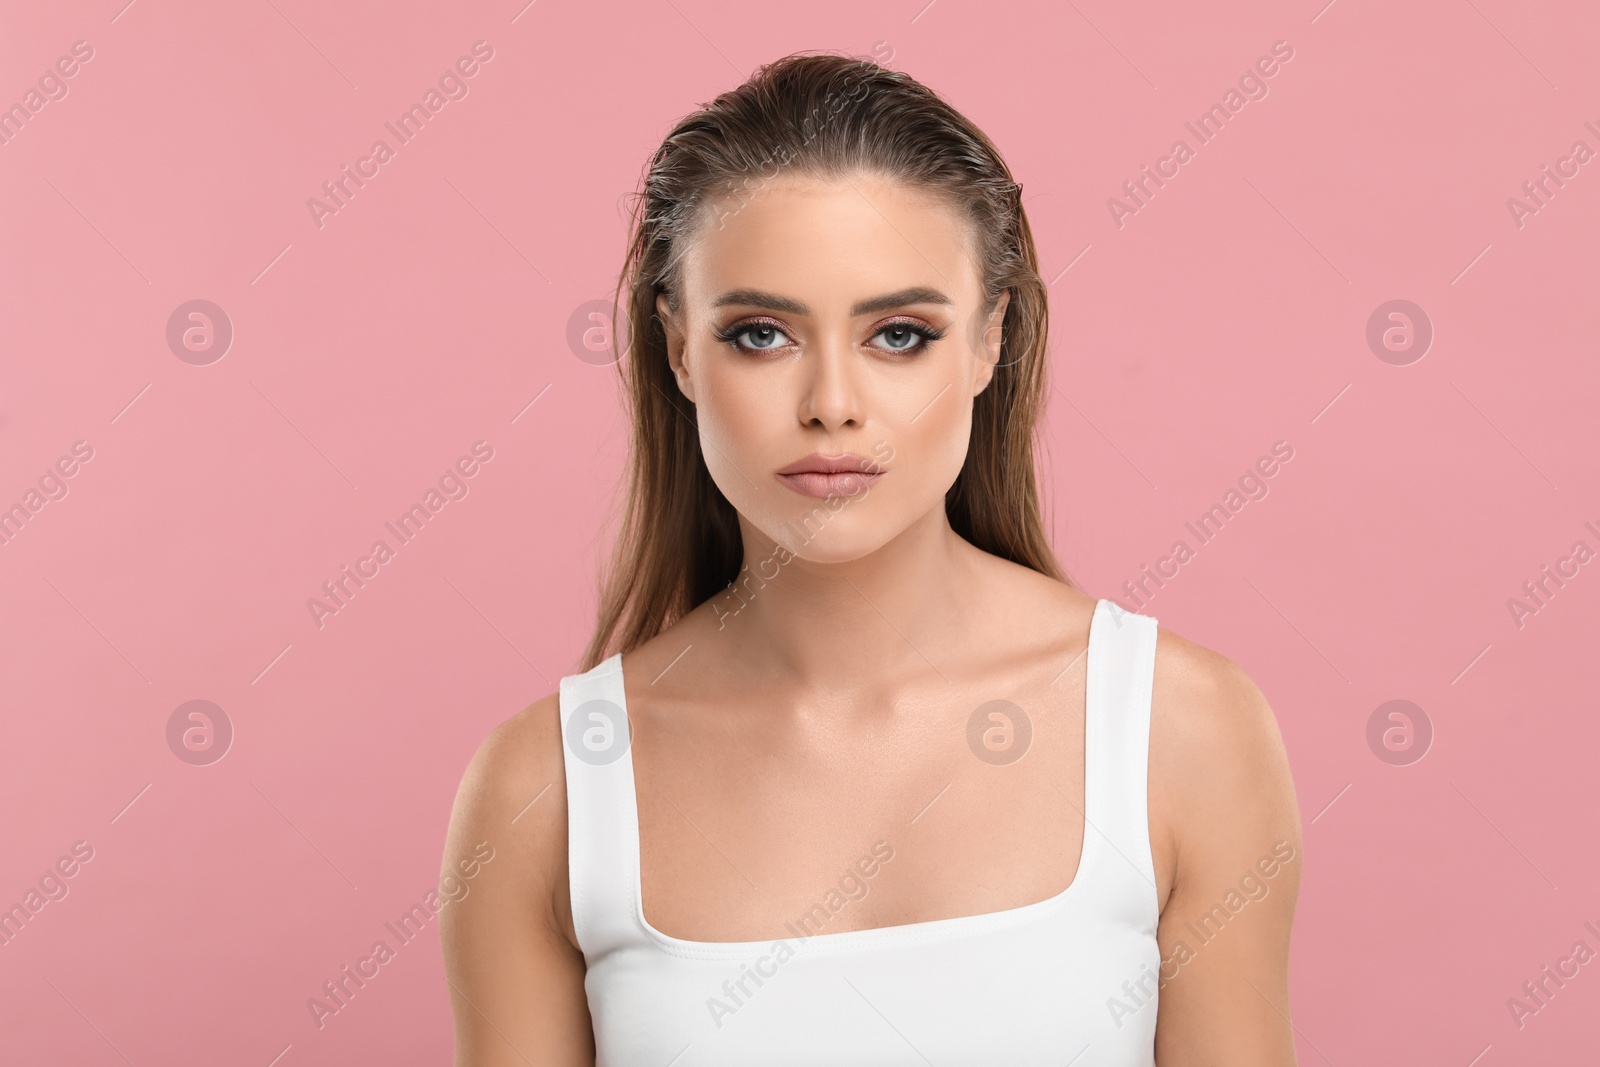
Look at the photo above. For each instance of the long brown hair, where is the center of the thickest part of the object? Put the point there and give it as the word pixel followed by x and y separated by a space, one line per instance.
pixel 823 115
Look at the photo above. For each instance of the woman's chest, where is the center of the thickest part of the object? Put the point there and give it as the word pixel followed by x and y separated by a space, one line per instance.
pixel 935 813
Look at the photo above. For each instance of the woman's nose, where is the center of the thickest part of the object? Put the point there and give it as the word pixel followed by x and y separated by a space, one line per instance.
pixel 832 391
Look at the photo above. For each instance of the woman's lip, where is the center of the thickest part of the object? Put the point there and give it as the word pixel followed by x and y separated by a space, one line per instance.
pixel 840 483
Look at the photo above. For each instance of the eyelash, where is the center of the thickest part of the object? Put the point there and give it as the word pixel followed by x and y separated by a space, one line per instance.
pixel 928 334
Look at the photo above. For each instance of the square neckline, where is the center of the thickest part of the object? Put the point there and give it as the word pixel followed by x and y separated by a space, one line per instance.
pixel 1095 707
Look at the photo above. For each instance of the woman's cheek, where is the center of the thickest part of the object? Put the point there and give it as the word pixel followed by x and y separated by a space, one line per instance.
pixel 932 453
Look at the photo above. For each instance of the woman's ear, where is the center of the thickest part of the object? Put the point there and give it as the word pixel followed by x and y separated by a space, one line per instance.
pixel 673 330
pixel 989 342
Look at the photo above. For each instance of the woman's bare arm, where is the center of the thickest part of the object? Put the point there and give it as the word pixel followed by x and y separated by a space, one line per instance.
pixel 1221 778
pixel 516 981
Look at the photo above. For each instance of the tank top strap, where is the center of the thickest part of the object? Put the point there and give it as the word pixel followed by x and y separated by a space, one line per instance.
pixel 1121 673
pixel 602 816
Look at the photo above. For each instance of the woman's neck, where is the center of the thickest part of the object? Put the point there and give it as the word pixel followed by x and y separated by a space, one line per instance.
pixel 862 622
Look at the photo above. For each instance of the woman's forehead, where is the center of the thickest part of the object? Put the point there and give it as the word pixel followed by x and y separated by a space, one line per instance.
pixel 832 243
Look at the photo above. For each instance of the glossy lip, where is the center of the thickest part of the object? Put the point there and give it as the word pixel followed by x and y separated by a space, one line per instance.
pixel 821 464
pixel 823 476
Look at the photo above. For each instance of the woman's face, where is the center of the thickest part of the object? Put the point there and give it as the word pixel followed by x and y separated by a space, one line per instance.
pixel 833 318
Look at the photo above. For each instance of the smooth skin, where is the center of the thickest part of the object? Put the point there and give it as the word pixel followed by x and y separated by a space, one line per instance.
pixel 779 730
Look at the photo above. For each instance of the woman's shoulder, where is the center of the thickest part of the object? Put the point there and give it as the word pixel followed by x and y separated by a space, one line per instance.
pixel 513 794
pixel 1208 716
pixel 511 956
pixel 1221 792
pixel 517 776
pixel 1211 726
pixel 522 749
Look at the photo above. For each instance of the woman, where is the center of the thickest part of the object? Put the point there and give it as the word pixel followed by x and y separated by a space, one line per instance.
pixel 853 774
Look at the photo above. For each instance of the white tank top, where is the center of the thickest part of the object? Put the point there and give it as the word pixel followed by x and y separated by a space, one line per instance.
pixel 1066 980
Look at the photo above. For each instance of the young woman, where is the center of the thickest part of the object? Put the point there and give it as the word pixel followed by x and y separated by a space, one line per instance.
pixel 853 773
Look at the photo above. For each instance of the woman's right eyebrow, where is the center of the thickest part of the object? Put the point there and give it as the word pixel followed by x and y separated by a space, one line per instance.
pixel 919 294
pixel 758 298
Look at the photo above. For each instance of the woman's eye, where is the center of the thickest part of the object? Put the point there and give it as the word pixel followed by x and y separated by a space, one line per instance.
pixel 900 338
pixel 905 337
pixel 755 337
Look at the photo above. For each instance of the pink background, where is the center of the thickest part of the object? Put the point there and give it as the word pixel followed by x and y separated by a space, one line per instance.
pixel 368 354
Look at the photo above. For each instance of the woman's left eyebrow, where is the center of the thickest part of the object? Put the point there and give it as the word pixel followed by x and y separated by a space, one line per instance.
pixel 917 294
